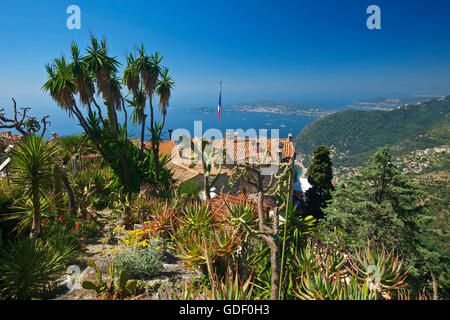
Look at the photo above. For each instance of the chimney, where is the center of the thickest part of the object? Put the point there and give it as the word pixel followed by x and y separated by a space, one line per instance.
pixel 290 137
pixel 170 134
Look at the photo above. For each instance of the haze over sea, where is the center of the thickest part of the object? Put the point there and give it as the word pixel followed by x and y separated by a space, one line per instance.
pixel 182 117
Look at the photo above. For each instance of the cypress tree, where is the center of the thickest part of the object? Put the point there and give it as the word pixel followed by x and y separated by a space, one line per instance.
pixel 320 177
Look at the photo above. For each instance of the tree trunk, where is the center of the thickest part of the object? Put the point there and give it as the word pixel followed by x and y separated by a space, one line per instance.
pixel 142 136
pixel 36 224
pixel 275 268
pixel 206 183
pixel 68 188
pixel 435 286
pixel 272 241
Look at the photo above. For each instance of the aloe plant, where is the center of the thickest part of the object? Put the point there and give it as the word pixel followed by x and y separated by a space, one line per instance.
pixel 230 287
pixel 317 286
pixel 197 217
pixel 381 270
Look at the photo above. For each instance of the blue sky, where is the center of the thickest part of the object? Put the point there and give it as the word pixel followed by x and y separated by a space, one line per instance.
pixel 296 51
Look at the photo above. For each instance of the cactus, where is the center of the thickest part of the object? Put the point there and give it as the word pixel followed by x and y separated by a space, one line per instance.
pixel 100 287
pixel 114 289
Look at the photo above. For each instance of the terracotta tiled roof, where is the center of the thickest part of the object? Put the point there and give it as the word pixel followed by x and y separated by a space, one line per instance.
pixel 221 210
pixel 165 147
pixel 181 173
pixel 11 137
pixel 243 148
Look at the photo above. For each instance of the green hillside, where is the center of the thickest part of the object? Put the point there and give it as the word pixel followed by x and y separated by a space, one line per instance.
pixel 356 134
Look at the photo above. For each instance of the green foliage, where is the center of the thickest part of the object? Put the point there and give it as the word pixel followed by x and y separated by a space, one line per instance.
pixel 326 272
pixel 72 145
pixel 141 263
pixel 189 189
pixel 358 134
pixel 115 288
pixel 320 175
pixel 231 287
pixel 66 245
pixel 29 270
pixel 22 211
pixel 382 205
pixel 197 217
pixel 33 160
pixel 380 269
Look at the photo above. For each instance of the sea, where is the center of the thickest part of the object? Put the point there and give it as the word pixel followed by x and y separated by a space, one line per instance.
pixel 196 123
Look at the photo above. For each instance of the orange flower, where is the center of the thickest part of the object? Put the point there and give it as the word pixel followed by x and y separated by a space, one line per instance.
pixel 61 218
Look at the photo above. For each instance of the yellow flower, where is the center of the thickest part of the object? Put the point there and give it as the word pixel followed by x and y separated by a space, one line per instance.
pixel 113 249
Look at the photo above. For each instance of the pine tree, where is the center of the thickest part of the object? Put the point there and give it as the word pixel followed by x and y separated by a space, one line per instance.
pixel 320 175
pixel 383 205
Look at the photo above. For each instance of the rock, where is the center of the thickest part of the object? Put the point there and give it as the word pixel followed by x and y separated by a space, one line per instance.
pixel 90 274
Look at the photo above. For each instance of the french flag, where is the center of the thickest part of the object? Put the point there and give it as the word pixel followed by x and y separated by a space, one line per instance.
pixel 219 107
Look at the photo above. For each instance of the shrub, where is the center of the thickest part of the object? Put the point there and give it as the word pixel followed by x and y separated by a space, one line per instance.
pixel 66 244
pixel 29 270
pixel 140 263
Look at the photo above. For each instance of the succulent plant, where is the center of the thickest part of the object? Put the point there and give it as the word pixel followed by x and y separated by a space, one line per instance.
pixel 112 289
pixel 381 270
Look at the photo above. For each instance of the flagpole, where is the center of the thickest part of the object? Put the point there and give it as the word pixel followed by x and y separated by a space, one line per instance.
pixel 221 111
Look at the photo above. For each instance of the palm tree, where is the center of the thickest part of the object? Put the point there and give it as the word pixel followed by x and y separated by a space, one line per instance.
pixel 33 161
pixel 149 70
pixel 138 115
pixel 164 90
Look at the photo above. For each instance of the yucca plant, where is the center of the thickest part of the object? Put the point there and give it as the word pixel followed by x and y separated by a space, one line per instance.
pixel 29 269
pixel 66 245
pixel 23 213
pixel 33 161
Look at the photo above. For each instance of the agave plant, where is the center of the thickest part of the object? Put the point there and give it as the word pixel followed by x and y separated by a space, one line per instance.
pixel 225 241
